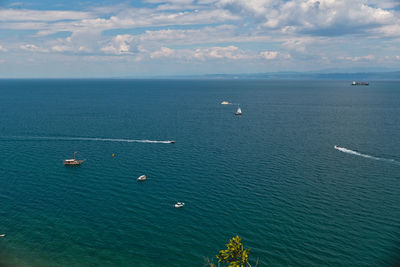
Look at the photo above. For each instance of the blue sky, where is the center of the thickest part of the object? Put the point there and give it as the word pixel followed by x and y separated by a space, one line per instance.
pixel 185 37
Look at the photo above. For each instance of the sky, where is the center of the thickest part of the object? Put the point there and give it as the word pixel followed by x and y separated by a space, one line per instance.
pixel 104 38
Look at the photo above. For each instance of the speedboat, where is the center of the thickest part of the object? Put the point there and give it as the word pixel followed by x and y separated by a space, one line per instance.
pixel 172 142
pixel 2 235
pixel 179 205
pixel 142 178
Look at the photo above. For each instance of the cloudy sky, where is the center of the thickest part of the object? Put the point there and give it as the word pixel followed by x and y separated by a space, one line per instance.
pixel 104 38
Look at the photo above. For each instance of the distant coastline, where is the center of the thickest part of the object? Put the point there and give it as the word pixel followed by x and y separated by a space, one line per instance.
pixel 345 76
pixel 373 76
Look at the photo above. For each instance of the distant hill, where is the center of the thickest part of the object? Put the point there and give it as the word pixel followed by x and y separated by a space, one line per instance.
pixel 358 76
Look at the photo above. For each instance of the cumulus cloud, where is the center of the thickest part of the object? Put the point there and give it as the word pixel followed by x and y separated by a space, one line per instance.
pixel 134 18
pixel 384 3
pixel 221 33
pixel 269 54
pixel 203 53
pixel 386 31
pixel 32 48
pixel 119 45
pixel 218 52
pixel 163 52
pixel 3 49
pixel 41 15
pixel 320 17
pixel 179 2
pixel 61 48
pixel 299 31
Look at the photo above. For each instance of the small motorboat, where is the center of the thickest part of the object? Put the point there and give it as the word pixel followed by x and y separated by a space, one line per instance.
pixel 2 235
pixel 142 178
pixel 172 142
pixel 179 205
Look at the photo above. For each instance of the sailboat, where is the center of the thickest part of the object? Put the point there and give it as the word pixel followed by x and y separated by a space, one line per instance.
pixel 238 111
pixel 73 162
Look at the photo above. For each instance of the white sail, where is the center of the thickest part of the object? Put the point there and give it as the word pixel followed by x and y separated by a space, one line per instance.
pixel 238 111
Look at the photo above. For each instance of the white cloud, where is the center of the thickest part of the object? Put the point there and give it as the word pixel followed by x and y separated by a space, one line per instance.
pixel 2 60
pixel 387 30
pixel 203 53
pixel 41 15
pixel 223 33
pixel 119 45
pixel 320 17
pixel 308 32
pixel 384 3
pixel 178 2
pixel 359 58
pixel 217 52
pixel 3 49
pixel 86 29
pixel 32 48
pixel 132 18
pixel 163 52
pixel 269 54
pixel 61 48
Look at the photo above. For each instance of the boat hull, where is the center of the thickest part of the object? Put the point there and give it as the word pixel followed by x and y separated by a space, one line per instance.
pixel 73 163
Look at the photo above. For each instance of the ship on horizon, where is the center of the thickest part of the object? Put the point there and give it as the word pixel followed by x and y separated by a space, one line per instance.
pixel 359 83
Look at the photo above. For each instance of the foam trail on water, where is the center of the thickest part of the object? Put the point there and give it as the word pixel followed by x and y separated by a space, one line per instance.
pixel 352 152
pixel 92 139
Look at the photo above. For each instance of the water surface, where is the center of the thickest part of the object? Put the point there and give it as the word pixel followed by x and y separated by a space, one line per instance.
pixel 271 176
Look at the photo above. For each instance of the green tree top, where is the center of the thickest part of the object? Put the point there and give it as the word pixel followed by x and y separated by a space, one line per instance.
pixel 234 254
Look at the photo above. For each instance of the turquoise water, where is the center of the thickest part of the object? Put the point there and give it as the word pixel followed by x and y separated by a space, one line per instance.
pixel 271 176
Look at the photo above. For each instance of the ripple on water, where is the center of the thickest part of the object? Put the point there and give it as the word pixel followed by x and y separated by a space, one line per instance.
pixel 271 176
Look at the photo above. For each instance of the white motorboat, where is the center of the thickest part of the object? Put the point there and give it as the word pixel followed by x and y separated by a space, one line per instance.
pixel 142 178
pixel 179 204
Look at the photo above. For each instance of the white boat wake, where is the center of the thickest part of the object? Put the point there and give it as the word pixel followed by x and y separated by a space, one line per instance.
pixel 48 138
pixel 352 152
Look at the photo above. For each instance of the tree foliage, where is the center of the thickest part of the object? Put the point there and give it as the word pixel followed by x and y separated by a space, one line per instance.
pixel 235 255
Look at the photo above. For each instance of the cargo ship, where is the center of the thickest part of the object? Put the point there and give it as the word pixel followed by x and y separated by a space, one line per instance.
pixel 359 83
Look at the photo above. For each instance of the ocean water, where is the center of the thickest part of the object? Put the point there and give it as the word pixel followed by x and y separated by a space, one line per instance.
pixel 271 176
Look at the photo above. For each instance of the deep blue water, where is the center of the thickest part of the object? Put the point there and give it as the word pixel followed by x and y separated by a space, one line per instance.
pixel 271 176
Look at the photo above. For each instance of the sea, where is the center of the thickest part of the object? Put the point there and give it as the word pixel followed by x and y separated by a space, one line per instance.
pixel 308 175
